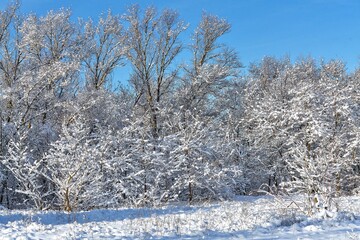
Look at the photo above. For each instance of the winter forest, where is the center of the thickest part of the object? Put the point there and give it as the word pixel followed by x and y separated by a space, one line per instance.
pixel 190 123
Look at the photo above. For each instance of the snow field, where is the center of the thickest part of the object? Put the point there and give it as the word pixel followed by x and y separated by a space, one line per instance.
pixel 246 218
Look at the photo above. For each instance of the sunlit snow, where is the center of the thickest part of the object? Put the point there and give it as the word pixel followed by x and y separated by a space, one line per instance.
pixel 245 218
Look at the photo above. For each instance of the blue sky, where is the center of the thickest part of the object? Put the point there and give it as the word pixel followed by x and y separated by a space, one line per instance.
pixel 321 28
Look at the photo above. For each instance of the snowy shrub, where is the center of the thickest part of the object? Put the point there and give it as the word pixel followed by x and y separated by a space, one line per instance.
pixel 73 166
pixel 26 176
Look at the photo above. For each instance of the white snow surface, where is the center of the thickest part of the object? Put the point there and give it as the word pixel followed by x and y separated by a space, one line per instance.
pixel 245 218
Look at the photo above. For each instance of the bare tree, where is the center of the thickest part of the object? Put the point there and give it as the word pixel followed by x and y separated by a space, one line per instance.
pixel 154 44
pixel 9 63
pixel 104 49
pixel 6 18
pixel 213 64
pixel 50 45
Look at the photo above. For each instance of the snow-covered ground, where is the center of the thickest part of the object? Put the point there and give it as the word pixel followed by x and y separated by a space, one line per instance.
pixel 246 218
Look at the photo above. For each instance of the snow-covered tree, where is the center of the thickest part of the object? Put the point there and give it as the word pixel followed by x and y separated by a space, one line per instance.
pixel 73 166
pixel 26 181
pixel 300 126
pixel 200 168
pixel 264 124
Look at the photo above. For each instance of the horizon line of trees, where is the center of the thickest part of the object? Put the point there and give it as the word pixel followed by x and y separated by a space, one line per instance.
pixel 193 131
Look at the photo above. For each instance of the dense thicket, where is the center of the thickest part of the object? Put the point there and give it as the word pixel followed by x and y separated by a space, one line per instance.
pixel 181 129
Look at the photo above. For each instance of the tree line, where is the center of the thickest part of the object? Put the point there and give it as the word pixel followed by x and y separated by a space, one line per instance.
pixel 190 129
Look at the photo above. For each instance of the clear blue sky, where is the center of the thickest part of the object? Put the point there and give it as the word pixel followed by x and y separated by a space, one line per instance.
pixel 321 28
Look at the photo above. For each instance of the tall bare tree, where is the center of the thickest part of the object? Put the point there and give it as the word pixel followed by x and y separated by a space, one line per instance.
pixel 104 49
pixel 6 18
pixel 9 64
pixel 153 44
pixel 213 64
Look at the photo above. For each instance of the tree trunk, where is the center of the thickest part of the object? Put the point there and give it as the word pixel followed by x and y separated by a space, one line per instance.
pixel 190 192
pixel 67 205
